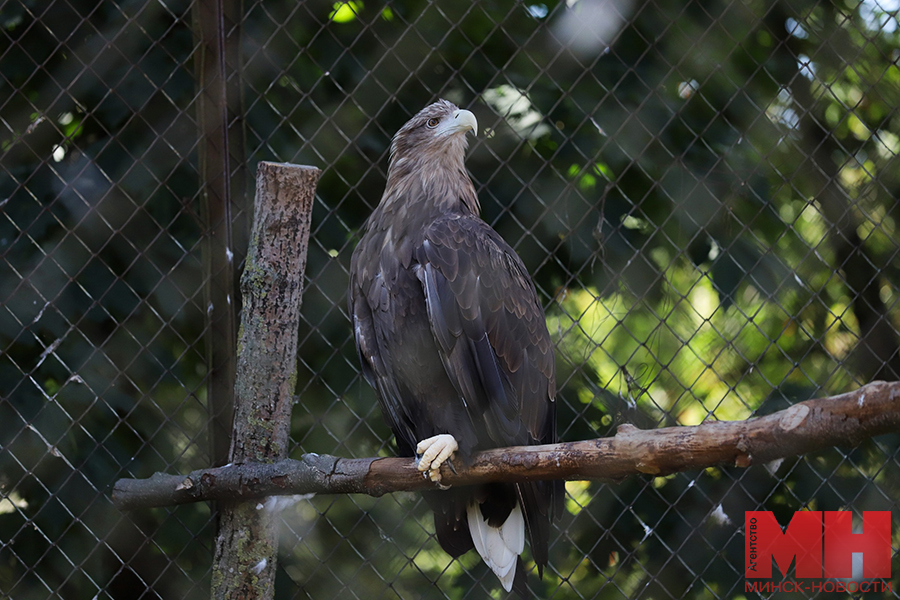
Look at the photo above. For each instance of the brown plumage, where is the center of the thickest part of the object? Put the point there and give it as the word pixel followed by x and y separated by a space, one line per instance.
pixel 451 335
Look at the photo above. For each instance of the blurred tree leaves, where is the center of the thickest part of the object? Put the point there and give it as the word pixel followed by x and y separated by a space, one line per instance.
pixel 101 327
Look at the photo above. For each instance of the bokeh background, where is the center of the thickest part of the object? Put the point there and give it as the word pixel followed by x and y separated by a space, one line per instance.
pixel 706 193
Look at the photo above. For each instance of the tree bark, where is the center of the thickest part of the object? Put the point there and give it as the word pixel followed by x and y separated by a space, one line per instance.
pixel 272 286
pixel 809 426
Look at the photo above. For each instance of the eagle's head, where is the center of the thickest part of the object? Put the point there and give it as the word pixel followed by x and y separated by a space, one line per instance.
pixel 436 133
pixel 426 166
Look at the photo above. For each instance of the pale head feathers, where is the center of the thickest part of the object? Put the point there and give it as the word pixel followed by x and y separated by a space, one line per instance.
pixel 427 158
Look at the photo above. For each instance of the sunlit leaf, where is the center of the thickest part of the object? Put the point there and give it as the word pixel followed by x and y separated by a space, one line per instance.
pixel 344 12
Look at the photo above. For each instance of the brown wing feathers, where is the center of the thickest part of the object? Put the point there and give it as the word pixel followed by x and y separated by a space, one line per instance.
pixel 475 300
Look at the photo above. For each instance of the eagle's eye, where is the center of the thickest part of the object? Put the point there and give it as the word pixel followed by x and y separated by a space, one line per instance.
pixel 432 123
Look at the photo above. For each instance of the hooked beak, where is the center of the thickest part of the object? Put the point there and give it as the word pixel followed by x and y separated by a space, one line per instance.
pixel 464 120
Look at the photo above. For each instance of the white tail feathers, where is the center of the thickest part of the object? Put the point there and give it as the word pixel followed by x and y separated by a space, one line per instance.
pixel 498 546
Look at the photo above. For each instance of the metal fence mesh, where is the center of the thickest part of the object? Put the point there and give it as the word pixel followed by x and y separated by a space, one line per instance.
pixel 705 193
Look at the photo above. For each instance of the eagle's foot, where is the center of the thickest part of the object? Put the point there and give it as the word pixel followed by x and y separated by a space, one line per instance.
pixel 434 452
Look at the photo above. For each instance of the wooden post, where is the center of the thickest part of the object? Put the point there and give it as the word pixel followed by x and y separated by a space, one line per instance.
pixel 272 286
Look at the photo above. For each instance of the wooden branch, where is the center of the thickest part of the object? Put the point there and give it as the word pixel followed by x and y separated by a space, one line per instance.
pixel 272 287
pixel 810 426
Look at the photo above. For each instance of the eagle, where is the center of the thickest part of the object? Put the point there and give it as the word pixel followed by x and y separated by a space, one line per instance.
pixel 451 335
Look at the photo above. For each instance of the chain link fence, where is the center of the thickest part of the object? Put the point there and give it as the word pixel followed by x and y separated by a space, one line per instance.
pixel 706 194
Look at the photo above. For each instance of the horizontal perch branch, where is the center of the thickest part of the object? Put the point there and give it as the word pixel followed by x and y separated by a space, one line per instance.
pixel 809 426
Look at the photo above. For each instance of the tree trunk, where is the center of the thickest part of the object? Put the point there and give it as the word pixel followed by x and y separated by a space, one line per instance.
pixel 272 287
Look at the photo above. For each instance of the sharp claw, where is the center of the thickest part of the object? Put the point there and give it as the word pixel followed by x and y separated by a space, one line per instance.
pixel 431 453
pixel 435 476
pixel 449 462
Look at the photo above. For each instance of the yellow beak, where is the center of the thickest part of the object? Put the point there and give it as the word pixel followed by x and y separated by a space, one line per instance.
pixel 464 120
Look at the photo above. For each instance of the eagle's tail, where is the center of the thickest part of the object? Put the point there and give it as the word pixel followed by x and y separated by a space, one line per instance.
pixel 500 547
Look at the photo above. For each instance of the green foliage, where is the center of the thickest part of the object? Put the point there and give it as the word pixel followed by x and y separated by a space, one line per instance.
pixel 101 373
pixel 669 195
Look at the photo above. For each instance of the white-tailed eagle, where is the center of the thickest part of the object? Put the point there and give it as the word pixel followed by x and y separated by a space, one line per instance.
pixel 451 335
